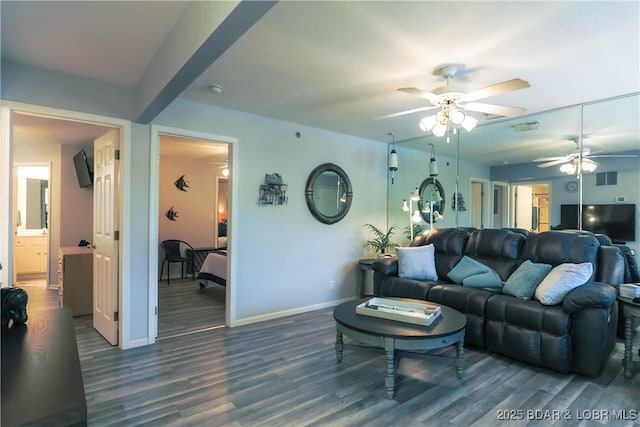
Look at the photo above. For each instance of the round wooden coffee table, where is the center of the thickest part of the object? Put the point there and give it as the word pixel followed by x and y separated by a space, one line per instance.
pixel 394 336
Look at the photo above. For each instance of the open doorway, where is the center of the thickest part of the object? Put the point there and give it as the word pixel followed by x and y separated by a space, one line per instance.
pixel 193 218
pixel 65 218
pixel 531 206
pixel 479 203
pixel 31 224
pixel 500 204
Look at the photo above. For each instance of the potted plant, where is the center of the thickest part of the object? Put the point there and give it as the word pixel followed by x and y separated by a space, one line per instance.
pixel 381 240
pixel 418 229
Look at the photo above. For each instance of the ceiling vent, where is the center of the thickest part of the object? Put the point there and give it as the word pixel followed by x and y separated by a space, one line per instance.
pixel 525 127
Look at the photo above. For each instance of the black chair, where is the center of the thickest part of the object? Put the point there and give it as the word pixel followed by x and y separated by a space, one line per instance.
pixel 177 251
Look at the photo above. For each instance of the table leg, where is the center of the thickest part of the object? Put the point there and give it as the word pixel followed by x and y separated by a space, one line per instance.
pixel 460 358
pixel 339 344
pixel 390 379
pixel 627 362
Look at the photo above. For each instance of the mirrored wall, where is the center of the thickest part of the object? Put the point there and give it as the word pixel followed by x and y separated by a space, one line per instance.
pixel 527 151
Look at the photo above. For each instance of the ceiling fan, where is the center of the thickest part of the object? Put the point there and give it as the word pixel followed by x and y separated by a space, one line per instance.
pixel 451 100
pixel 222 165
pixel 570 163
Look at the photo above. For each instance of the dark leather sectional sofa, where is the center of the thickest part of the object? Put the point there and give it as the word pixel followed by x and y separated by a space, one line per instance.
pixel 576 335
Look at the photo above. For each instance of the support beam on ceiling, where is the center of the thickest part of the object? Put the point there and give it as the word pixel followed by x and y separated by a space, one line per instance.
pixel 204 31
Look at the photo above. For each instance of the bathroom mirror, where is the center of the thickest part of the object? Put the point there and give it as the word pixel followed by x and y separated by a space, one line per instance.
pixel 32 199
pixel 328 193
pixel 432 200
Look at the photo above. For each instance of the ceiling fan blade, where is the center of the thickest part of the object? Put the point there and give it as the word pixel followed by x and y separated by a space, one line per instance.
pixel 432 97
pixel 552 163
pixel 498 110
pixel 614 155
pixel 403 113
pixel 547 159
pixel 496 89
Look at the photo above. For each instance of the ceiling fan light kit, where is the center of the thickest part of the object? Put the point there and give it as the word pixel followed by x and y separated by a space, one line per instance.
pixel 452 101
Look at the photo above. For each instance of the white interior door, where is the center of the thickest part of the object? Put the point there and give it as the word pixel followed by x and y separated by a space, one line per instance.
pixel 523 197
pixel 105 236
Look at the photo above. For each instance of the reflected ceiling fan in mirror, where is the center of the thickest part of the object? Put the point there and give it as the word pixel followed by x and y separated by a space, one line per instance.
pixel 570 163
pixel 452 101
pixel 224 166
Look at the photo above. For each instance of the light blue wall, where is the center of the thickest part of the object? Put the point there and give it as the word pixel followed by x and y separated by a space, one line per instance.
pixel 136 223
pixel 285 257
pixel 48 88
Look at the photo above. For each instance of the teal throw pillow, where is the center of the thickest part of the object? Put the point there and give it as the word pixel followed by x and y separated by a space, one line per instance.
pixel 523 282
pixel 561 280
pixel 489 280
pixel 466 267
pixel 417 262
pixel 472 273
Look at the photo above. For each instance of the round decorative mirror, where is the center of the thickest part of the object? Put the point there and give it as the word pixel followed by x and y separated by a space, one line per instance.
pixel 328 193
pixel 432 198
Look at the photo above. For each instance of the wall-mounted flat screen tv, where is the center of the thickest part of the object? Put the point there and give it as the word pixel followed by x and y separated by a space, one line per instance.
pixel 83 169
pixel 618 221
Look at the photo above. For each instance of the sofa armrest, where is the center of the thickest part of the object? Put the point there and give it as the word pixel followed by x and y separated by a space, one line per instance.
pixel 611 265
pixel 387 266
pixel 589 295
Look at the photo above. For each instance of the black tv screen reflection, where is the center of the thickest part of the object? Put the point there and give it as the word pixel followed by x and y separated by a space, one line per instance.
pixel 618 221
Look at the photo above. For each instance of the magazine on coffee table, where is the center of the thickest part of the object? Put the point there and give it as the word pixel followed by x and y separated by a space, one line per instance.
pixel 415 312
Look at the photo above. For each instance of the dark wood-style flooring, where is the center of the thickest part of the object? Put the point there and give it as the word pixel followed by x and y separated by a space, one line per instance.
pixel 284 373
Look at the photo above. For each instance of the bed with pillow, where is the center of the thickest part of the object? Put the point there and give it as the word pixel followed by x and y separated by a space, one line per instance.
pixel 214 269
pixel 547 299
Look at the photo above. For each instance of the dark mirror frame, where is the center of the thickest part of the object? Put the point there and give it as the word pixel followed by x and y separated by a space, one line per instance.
pixel 308 193
pixel 430 181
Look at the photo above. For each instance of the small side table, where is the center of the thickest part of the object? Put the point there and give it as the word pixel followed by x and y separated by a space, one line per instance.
pixel 631 313
pixel 366 283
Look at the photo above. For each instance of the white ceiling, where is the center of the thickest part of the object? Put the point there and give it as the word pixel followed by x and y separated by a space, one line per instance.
pixel 338 64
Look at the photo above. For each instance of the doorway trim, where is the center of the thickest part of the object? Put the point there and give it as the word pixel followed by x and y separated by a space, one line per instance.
pixel 9 108
pixel 154 212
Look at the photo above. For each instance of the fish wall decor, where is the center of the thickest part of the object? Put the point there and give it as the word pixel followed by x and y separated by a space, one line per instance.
pixel 171 214
pixel 182 184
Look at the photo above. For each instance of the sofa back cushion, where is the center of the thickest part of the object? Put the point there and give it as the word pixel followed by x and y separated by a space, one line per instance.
pixel 559 247
pixel 496 248
pixel 449 246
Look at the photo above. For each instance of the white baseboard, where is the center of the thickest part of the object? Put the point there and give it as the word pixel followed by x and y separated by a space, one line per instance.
pixel 284 313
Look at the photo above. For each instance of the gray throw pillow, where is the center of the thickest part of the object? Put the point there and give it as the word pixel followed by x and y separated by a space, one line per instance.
pixel 561 280
pixel 523 282
pixel 417 262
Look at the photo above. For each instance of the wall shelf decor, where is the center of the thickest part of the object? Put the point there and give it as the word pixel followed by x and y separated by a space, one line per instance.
pixel 273 194
pixel 273 191
pixel 460 205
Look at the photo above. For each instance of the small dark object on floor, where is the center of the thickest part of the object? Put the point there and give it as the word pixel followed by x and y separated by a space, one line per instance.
pixel 14 306
pixel 636 300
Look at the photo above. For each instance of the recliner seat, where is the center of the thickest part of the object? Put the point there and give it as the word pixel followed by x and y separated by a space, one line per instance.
pixel 575 336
